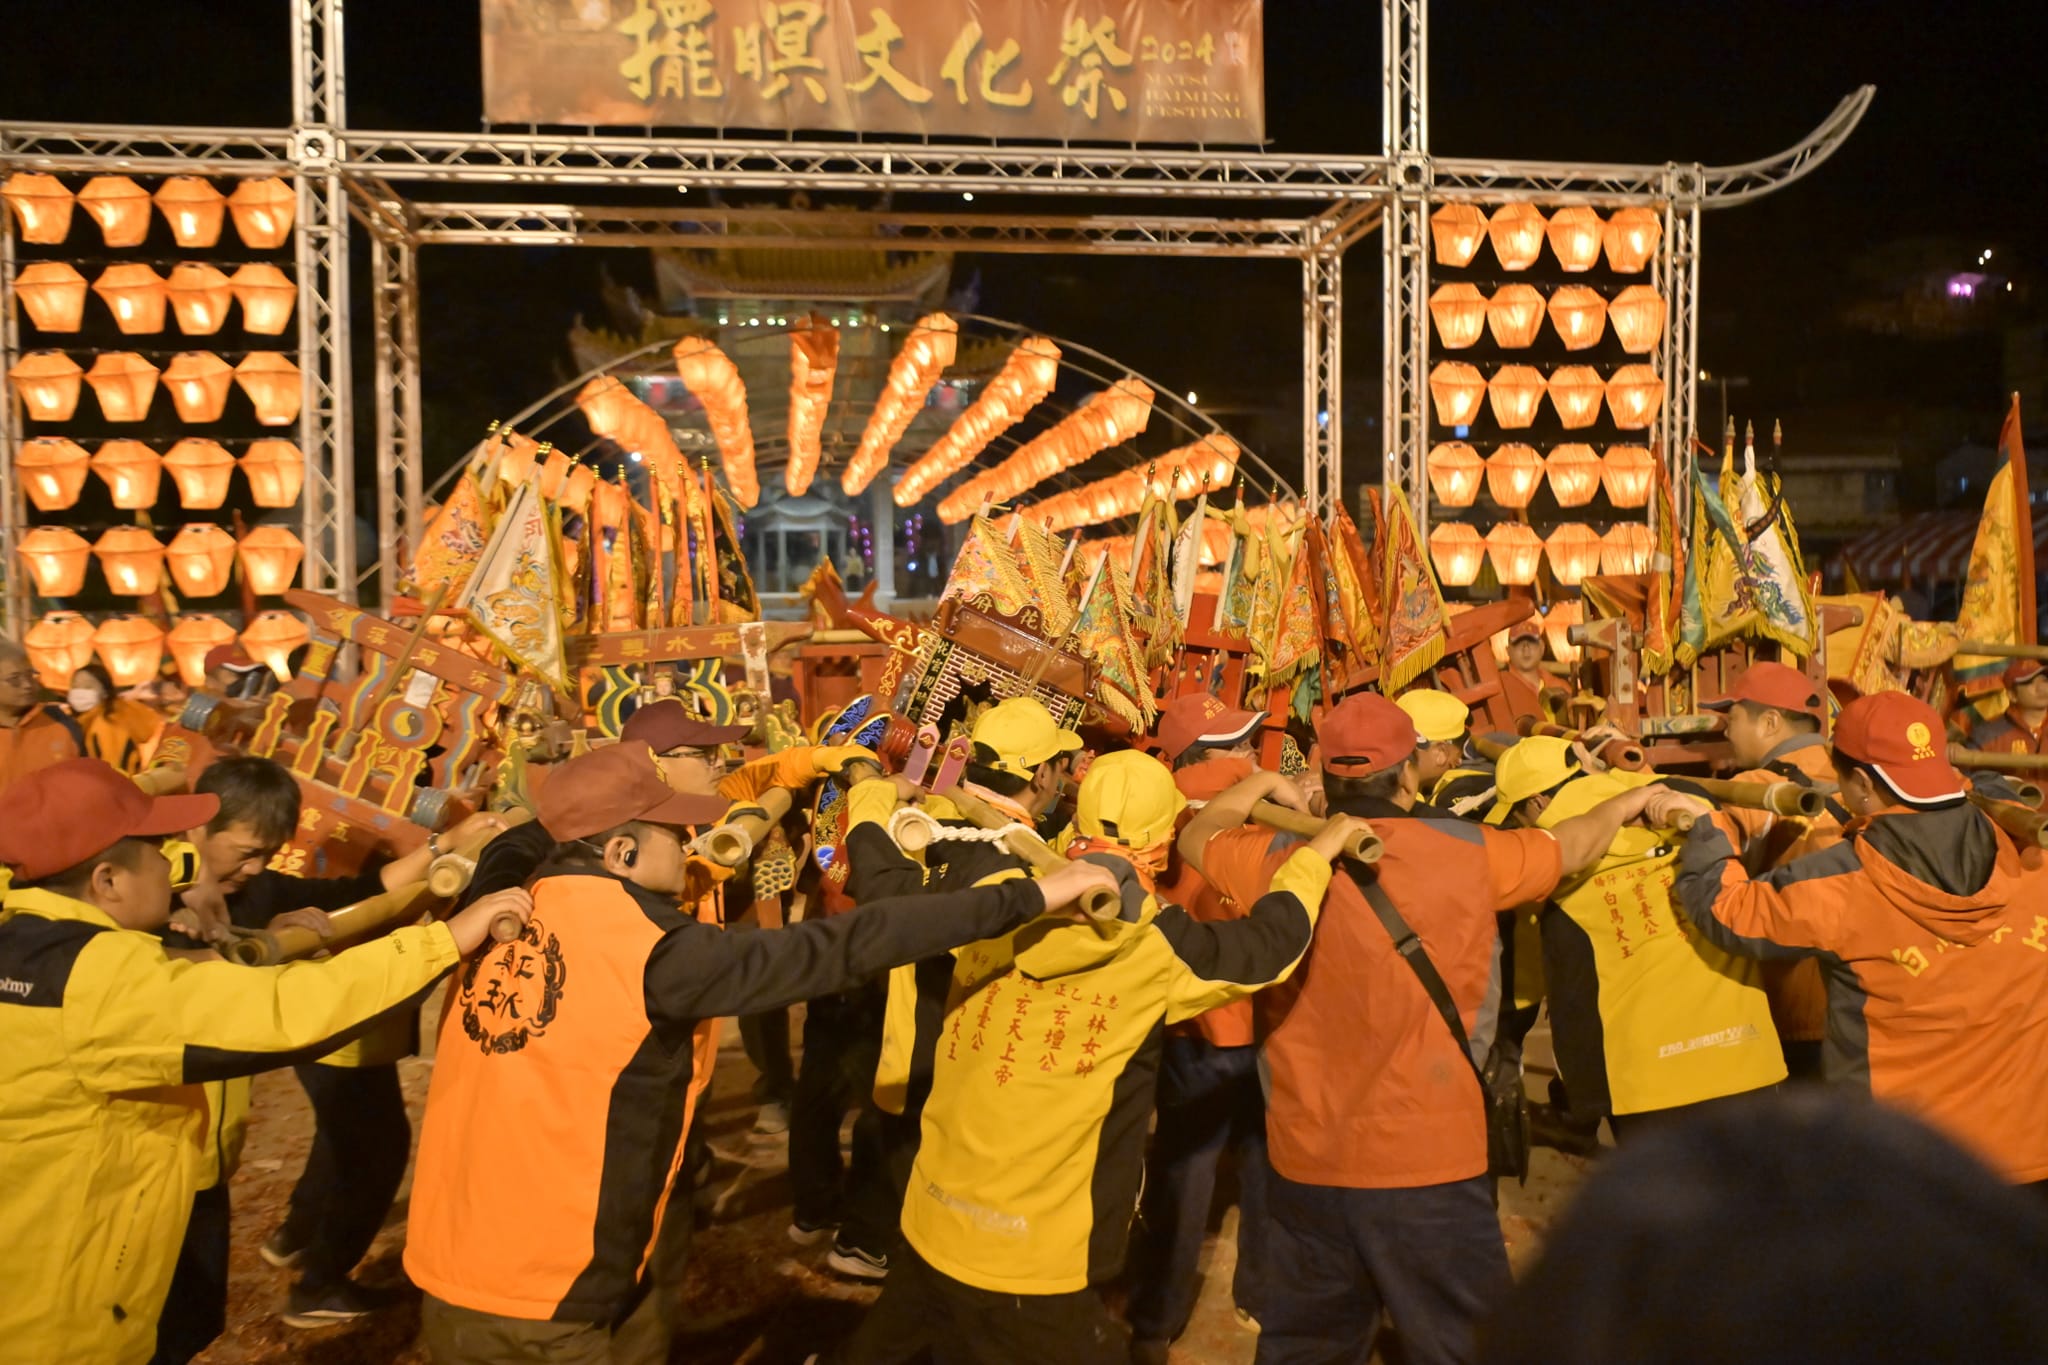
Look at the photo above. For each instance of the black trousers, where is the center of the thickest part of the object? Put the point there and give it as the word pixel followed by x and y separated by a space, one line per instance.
pixel 197 1310
pixel 842 1046
pixel 362 1140
pixel 922 1310
pixel 765 1037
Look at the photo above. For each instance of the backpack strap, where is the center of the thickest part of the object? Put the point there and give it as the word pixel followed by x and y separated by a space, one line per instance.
pixel 1409 946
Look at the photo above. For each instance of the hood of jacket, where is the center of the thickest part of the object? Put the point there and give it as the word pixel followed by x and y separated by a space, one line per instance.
pixel 1948 870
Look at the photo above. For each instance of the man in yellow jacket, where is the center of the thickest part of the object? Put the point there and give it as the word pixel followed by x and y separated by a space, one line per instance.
pixel 105 1043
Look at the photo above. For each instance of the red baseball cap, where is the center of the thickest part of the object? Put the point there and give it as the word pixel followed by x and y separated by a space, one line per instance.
pixel 1902 738
pixel 2023 670
pixel 607 787
pixel 1778 686
pixel 668 724
pixel 1365 734
pixel 60 816
pixel 1202 719
pixel 1528 628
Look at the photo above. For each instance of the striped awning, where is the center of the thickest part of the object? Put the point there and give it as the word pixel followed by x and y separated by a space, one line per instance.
pixel 1933 547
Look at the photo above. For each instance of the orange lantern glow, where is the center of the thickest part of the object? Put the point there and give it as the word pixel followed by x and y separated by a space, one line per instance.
pixel 1626 548
pixel 1203 466
pixel 1626 473
pixel 1456 231
pixel 52 294
pixel 193 208
pixel 1574 472
pixel 1630 238
pixel 1514 315
pixel 1574 550
pixel 201 469
pixel 52 472
pixel 119 206
pixel 1513 474
pixel 924 356
pixel 48 384
pixel 124 383
pixel 714 381
pixel 1579 316
pixel 1576 392
pixel 263 210
pixel 41 204
pixel 273 385
pixel 1516 551
pixel 1557 629
pixel 1638 317
pixel 266 296
pixel 199 296
pixel 1458 551
pixel 270 559
pixel 56 560
pixel 813 363
pixel 1456 389
pixel 134 294
pixel 1633 396
pixel 200 558
pixel 1516 231
pixel 1027 376
pixel 58 645
pixel 1102 420
pixel 131 471
pixel 131 560
pixel 1460 313
pixel 198 382
pixel 131 648
pixel 1454 470
pixel 271 638
pixel 275 470
pixel 192 639
pixel 1575 237
pixel 1515 392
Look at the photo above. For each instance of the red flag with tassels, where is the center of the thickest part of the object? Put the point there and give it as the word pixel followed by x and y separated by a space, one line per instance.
pixel 1416 621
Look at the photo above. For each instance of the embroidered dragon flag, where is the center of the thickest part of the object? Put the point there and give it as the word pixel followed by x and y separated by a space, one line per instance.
pixel 1240 571
pixel 1295 659
pixel 1416 626
pixel 454 540
pixel 1752 583
pixel 514 596
pixel 1357 586
pixel 1998 600
pixel 1102 634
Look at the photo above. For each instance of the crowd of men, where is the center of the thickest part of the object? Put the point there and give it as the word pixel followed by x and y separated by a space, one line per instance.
pixel 1088 978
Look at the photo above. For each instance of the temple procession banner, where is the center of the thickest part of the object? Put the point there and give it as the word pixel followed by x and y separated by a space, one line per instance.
pixel 1189 71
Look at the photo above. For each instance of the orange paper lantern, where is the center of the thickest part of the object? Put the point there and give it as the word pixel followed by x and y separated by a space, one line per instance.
pixel 52 294
pixel 1515 392
pixel 1631 238
pixel 1638 316
pixel 41 204
pixel 192 639
pixel 131 560
pixel 273 385
pixel 200 558
pixel 1516 231
pixel 199 382
pixel 48 384
pixel 1454 470
pixel 1456 389
pixel 1456 231
pixel 266 295
pixel 1576 392
pixel 270 559
pixel 714 381
pixel 1574 550
pixel 1633 396
pixel 1460 314
pixel 1513 474
pixel 1516 551
pixel 193 208
pixel 1458 551
pixel 124 383
pixel 1575 237
pixel 1026 378
pixel 263 210
pixel 1514 315
pixel 134 294
pixel 1557 629
pixel 56 560
pixel 58 645
pixel 275 470
pixel 1579 316
pixel 1627 472
pixel 131 471
pixel 813 363
pixel 924 356
pixel 1626 548
pixel 199 296
pixel 52 471
pixel 131 648
pixel 119 206
pixel 271 638
pixel 201 469
pixel 1574 472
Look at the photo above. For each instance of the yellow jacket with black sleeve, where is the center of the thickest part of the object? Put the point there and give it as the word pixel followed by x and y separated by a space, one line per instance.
pixel 1032 1147
pixel 105 1045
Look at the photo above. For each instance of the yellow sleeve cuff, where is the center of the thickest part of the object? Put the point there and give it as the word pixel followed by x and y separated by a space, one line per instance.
pixel 1306 874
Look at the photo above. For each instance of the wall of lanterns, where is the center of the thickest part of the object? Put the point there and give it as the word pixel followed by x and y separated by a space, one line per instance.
pixel 107 294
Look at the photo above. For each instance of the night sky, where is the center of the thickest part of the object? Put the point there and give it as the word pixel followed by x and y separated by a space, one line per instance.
pixel 1952 151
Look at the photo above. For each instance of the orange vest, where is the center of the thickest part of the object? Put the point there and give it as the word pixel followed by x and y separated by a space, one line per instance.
pixel 40 740
pixel 1226 1025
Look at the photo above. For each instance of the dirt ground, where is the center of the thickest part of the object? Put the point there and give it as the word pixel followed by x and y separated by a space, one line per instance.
pixel 751 1296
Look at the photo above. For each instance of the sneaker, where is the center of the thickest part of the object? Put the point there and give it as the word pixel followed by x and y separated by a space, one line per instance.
pixel 810 1234
pixel 280 1251
pixel 326 1305
pixel 859 1263
pixel 772 1118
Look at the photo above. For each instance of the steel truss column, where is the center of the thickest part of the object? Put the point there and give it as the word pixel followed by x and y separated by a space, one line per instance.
pixel 13 513
pixel 1322 361
pixel 326 424
pixel 400 481
pixel 1405 340
pixel 1404 86
pixel 1677 278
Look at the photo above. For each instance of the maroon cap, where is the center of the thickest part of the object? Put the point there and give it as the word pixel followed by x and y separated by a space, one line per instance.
pixel 606 787
pixel 1778 686
pixel 1901 737
pixel 230 656
pixel 1365 734
pixel 58 817
pixel 1202 719
pixel 2023 670
pixel 668 724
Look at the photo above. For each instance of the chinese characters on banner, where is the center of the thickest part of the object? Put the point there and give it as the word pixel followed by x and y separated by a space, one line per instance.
pixel 1084 70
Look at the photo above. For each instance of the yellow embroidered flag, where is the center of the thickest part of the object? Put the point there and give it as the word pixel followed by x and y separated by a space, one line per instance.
pixel 1415 618
pixel 1998 601
pixel 514 596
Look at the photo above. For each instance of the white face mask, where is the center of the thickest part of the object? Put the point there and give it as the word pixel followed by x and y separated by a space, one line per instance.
pixel 83 699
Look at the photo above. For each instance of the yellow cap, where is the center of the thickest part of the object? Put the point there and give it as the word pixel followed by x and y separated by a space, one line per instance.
pixel 1023 734
pixel 1129 797
pixel 1439 717
pixel 1528 769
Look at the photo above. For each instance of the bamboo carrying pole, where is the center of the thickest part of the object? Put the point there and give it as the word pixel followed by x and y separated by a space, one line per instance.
pixel 352 923
pixel 1362 847
pixel 1618 753
pixel 1779 798
pixel 732 842
pixel 1989 650
pixel 2030 827
pixel 1100 904
pixel 2001 763
pixel 448 875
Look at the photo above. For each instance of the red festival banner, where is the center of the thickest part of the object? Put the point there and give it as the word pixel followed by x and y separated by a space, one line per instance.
pixel 1189 71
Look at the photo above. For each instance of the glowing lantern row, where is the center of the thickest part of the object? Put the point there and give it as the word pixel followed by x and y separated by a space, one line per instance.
pixel 1454 473
pixel 1026 378
pixel 1204 466
pixel 927 351
pixel 1638 317
pixel 1514 393
pixel 813 363
pixel 56 560
pixel 1626 548
pixel 58 645
pixel 131 471
pixel 263 209
pixel 1103 419
pixel 130 647
pixel 613 411
pixel 1575 233
pixel 1516 552
pixel 134 294
pixel 200 559
pixel 47 382
pixel 1514 315
pixel 192 639
pixel 131 560
pixel 1579 316
pixel 124 383
pixel 271 638
pixel 1513 474
pixel 1457 551
pixel 270 559
pixel 1574 472
pixel 714 381
pixel 52 294
pixel 42 206
pixel 52 472
pixel 1627 473
pixel 1574 550
pixel 1633 395
pixel 119 206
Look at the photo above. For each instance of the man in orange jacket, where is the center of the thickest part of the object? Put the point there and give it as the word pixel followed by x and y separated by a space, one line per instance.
pixel 32 736
pixel 2024 726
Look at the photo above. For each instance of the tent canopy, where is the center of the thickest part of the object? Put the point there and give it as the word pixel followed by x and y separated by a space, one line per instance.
pixel 1931 547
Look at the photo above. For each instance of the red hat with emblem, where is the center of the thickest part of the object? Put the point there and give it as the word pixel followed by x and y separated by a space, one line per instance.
pixel 1365 734
pixel 1778 686
pixel 1528 628
pixel 667 725
pixel 1202 719
pixel 1901 738
pixel 2023 670
pixel 60 816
